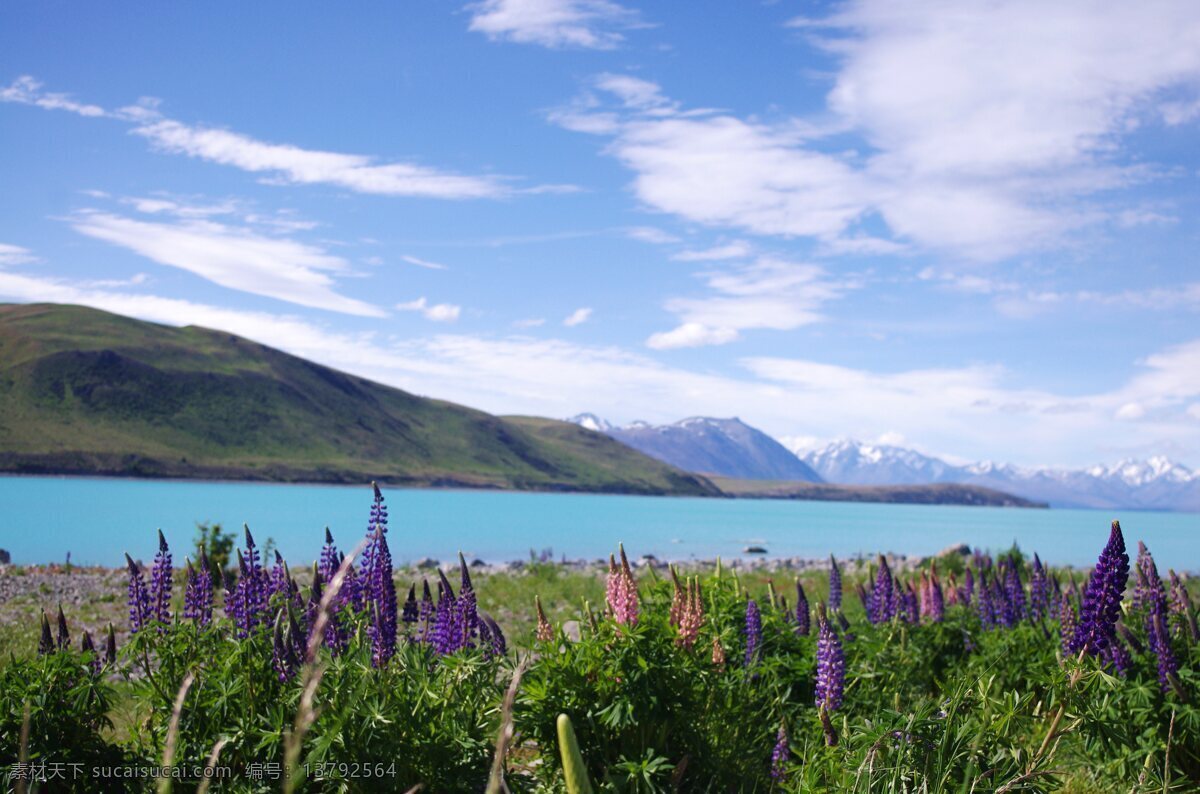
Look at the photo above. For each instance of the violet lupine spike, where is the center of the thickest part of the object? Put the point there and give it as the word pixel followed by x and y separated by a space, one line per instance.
pixel 410 613
pixel 467 605
pixel 1117 655
pixel 495 635
pixel 161 581
pixel 443 636
pixel 621 591
pixel 1039 590
pixel 983 602
pixel 46 640
pixel 64 634
pixel 252 587
pixel 1003 613
pixel 139 599
pixel 1066 620
pixel 283 656
pixel 803 624
pixel 330 560
pixel 835 585
pixel 1160 642
pixel 197 596
pixel 883 596
pixel 425 612
pixel 278 584
pixel 110 647
pixel 753 632
pixel 383 603
pixel 968 589
pixel 779 755
pixel 831 666
pixel 907 604
pixel 1102 599
pixel 1014 591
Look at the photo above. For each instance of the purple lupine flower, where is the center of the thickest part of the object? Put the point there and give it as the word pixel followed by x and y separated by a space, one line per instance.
pixel 279 582
pixel 1154 600
pixel 139 600
pixel 802 616
pixel 933 603
pixel 1066 620
pixel 1003 613
pixel 351 595
pixel 46 641
pixel 1117 656
pixel 64 634
pixel 468 610
pixel 835 585
pixel 252 588
pixel 906 599
pixel 968 588
pixel 883 597
pixel 382 600
pixel 831 666
pixel 1160 642
pixel 197 593
pixel 283 656
pixel 779 755
pixel 1014 591
pixel 410 613
pixel 330 560
pixel 1039 590
pixel 110 647
pixel 495 635
pixel 753 632
pixel 335 633
pixel 1102 599
pixel 161 580
pixel 983 603
pixel 425 612
pixel 444 636
pixel 1141 578
pixel 377 524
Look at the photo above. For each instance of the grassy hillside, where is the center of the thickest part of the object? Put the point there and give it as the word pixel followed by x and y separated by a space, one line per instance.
pixel 936 494
pixel 84 391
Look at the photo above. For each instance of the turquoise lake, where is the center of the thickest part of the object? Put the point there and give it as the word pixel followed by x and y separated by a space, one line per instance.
pixel 97 520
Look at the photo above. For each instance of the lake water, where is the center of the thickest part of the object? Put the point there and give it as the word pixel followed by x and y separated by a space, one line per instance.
pixel 97 520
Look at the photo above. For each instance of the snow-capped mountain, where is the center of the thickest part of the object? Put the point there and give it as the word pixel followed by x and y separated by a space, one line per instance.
pixel 727 447
pixel 1155 484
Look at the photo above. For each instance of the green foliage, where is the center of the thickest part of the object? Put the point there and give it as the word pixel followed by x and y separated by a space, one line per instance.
pixel 217 544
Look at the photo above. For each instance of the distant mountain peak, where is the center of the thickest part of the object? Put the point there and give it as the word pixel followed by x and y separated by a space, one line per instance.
pixel 591 422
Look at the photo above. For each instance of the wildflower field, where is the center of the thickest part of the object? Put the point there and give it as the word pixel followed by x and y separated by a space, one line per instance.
pixel 975 673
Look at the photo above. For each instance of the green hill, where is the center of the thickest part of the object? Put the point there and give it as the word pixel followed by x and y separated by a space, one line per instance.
pixel 87 392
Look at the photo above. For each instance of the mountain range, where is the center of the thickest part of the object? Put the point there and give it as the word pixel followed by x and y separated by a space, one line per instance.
pixel 725 447
pixel 1154 484
pixel 729 448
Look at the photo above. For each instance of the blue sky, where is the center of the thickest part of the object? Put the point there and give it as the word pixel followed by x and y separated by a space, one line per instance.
pixel 965 227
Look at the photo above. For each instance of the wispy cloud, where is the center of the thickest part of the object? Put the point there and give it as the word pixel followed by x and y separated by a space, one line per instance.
pixel 737 249
pixel 982 130
pixel 425 263
pixel 530 322
pixel 281 162
pixel 650 234
pixel 437 312
pixel 583 24
pixel 578 317
pixel 295 165
pixel 768 293
pixel 15 255
pixel 232 257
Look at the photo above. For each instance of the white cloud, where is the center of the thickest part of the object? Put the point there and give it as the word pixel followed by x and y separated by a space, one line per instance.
pixel 651 234
pixel 232 257
pixel 530 322
pixel 438 312
pixel 425 263
pixel 307 166
pixel 1130 411
pixel 25 90
pixel 768 293
pixel 981 129
pixel 737 249
pixel 15 255
pixel 691 335
pixel 586 24
pixel 578 317
pixel 1193 410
